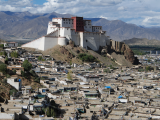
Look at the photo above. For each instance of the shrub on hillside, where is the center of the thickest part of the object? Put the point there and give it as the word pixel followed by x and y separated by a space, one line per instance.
pixel 40 58
pixel 1 45
pixel 14 54
pixel 3 53
pixel 14 71
pixel 107 70
pixel 27 65
pixel 37 80
pixel 12 91
pixel 86 58
pixel 4 80
pixel 3 68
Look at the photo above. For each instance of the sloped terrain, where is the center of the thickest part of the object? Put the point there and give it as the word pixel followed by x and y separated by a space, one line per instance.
pixel 70 54
pixel 5 87
pixel 121 59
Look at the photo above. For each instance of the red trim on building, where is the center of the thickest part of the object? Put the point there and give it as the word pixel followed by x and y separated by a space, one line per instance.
pixel 78 24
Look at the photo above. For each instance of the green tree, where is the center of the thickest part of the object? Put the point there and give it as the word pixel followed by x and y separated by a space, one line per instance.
pixel 107 71
pixel 53 113
pixel 3 53
pixel 148 60
pixel 40 58
pixel 86 58
pixel 1 45
pixel 148 68
pixel 69 75
pixel 4 80
pixel 33 73
pixel 22 73
pixel 3 68
pixel 27 65
pixel 37 79
pixel 6 60
pixel 48 112
pixel 8 76
pixel 14 71
pixel 14 54
pixel 12 91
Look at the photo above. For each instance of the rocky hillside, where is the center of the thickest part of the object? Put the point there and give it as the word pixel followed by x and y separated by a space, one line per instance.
pixel 18 25
pixel 109 55
pixel 6 89
pixel 143 41
pixel 70 54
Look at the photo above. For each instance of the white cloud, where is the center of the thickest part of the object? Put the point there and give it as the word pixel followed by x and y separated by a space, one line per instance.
pixel 151 21
pixel 103 17
pixel 120 8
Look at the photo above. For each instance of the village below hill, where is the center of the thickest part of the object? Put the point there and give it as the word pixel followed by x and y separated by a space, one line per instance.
pixel 70 82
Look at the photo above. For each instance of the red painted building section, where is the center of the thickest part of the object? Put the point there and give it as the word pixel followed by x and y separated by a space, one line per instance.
pixel 78 24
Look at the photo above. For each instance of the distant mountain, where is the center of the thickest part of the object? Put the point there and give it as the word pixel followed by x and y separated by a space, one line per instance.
pixel 119 30
pixel 15 25
pixel 141 41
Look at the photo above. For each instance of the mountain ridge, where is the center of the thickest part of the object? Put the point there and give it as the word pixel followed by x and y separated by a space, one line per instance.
pixel 142 42
pixel 28 25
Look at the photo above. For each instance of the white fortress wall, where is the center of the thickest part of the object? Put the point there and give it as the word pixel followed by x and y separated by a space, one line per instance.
pixel 55 33
pixel 107 40
pixel 37 44
pixel 62 41
pixel 49 30
pixel 65 32
pixel 113 44
pixel 58 20
pixel 75 37
pixel 50 42
pixel 81 40
pixel 92 40
pixel 103 41
pixel 51 27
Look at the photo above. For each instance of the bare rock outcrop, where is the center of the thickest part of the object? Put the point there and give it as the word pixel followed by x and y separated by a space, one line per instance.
pixel 123 49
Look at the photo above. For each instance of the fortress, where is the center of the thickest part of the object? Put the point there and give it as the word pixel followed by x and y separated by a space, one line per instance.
pixel 62 30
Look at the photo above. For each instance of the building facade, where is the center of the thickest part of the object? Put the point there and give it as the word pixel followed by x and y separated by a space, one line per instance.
pixel 61 30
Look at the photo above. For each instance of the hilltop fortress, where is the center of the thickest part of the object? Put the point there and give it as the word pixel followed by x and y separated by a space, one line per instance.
pixel 62 30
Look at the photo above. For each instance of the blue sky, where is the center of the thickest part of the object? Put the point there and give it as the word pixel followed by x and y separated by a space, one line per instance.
pixel 139 12
pixel 38 2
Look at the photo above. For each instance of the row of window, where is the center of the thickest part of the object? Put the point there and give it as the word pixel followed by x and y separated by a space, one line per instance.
pixel 79 26
pixel 67 23
pixel 86 27
pixel 67 19
pixel 96 28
